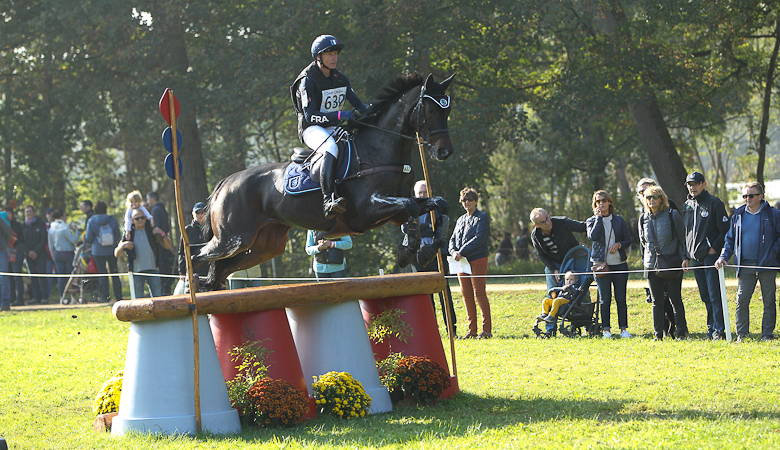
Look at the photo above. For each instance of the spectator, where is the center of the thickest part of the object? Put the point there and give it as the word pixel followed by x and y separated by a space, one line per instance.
pixel 252 273
pixel 641 186
pixel 504 253
pixel 522 243
pixel 610 237
pixel 552 238
pixel 162 220
pixel 50 268
pixel 661 231
pixel 754 240
pixel 62 241
pixel 706 225
pixel 470 240
pixel 6 233
pixel 329 261
pixel 195 237
pixel 134 201
pixel 33 251
pixel 15 260
pixel 142 245
pixel 86 208
pixel 432 264
pixel 103 236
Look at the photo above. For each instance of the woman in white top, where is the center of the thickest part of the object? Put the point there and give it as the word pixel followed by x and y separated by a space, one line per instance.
pixel 610 237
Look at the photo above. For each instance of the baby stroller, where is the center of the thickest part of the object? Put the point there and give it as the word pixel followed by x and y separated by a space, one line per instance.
pixel 580 313
pixel 75 286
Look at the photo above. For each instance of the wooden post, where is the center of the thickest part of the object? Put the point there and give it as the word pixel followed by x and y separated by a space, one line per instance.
pixel 186 245
pixel 281 296
pixel 445 291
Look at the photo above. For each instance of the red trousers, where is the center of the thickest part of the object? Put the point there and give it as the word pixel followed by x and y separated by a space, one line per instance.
pixel 475 287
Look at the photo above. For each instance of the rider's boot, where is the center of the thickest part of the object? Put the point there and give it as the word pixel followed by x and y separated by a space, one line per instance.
pixel 331 204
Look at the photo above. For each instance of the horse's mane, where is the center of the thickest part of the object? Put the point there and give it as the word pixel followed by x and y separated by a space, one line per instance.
pixel 391 92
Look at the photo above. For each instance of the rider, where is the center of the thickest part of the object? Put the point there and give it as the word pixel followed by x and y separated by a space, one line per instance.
pixel 319 92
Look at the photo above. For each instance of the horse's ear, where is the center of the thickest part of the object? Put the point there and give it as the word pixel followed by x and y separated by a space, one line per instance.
pixel 428 81
pixel 446 83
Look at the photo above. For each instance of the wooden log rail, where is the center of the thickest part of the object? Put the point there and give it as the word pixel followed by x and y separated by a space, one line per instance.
pixel 281 296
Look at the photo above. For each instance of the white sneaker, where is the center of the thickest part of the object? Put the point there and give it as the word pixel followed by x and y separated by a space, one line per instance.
pixel 625 334
pixel 606 334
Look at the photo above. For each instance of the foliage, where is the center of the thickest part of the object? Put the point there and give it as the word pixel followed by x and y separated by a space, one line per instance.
pixel 273 403
pixel 251 368
pixel 630 394
pixel 387 370
pixel 389 323
pixel 422 378
pixel 339 395
pixel 107 400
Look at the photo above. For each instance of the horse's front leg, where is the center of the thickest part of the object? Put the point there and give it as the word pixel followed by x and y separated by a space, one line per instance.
pixel 402 208
pixel 440 208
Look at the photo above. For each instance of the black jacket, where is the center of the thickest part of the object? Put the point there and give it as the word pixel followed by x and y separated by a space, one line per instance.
pixel 195 236
pixel 34 237
pixel 562 235
pixel 706 225
pixel 161 218
pixel 156 247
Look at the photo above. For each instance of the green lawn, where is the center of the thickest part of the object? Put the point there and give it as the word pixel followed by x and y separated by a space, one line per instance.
pixel 516 391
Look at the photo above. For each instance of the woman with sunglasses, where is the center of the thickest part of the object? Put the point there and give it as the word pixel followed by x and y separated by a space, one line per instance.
pixel 662 231
pixel 470 241
pixel 610 237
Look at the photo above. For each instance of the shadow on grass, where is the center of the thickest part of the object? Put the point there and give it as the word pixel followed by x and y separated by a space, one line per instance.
pixel 463 415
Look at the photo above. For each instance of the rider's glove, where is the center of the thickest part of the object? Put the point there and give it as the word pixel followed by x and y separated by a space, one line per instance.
pixel 346 115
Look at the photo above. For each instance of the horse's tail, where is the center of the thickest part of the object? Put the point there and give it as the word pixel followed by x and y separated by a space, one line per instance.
pixel 208 231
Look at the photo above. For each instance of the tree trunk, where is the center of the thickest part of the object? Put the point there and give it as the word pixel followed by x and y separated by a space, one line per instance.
pixel 193 180
pixel 651 126
pixel 767 101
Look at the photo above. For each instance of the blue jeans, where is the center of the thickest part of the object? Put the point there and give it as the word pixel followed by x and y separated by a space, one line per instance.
pixel 5 282
pixel 605 284
pixel 709 291
pixel 152 280
pixel 100 262
pixel 336 274
pixel 64 263
pixel 550 278
pixel 241 284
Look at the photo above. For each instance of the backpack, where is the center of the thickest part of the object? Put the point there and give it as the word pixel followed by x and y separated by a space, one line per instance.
pixel 106 236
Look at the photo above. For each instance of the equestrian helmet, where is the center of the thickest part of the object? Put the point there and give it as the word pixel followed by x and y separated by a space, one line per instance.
pixel 325 43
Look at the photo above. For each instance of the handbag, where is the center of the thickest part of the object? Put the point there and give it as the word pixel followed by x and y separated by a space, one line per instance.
pixel 600 270
pixel 666 261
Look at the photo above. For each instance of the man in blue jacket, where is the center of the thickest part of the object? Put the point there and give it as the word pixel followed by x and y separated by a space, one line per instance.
pixel 552 238
pixel 754 240
pixel 706 224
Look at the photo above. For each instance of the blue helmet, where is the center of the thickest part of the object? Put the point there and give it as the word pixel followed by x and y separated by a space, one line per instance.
pixel 325 43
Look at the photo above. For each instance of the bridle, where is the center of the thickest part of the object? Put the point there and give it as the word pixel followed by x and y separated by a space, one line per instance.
pixel 418 115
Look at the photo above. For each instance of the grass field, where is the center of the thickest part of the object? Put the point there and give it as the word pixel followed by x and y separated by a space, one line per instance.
pixel 516 391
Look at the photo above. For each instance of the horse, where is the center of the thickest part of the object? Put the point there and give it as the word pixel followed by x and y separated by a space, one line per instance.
pixel 249 213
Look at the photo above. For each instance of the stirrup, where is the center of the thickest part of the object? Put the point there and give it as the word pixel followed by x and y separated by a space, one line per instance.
pixel 332 206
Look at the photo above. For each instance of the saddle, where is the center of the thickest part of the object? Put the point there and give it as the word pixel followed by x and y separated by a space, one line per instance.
pixel 302 175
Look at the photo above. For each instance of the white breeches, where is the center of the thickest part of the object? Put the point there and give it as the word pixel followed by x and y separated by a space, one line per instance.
pixel 320 139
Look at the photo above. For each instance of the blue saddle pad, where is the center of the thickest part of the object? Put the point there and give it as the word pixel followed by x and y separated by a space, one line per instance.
pixel 298 180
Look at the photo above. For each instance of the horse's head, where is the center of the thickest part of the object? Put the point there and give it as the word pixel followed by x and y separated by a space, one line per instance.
pixel 430 116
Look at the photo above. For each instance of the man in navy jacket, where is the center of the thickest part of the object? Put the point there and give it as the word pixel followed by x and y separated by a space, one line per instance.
pixel 754 240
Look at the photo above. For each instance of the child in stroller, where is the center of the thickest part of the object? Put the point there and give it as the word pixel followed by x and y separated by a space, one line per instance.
pixel 557 297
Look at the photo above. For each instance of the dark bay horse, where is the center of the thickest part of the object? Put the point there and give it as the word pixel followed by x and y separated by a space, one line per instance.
pixel 250 213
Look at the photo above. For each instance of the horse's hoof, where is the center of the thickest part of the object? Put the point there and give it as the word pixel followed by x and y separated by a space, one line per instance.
pixel 404 257
pixel 426 254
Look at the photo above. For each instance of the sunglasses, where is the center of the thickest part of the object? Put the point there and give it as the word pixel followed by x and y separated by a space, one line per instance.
pixel 654 197
pixel 602 200
pixel 468 199
pixel 749 195
pixel 139 218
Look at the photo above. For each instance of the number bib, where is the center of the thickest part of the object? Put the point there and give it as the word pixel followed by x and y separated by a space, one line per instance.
pixel 332 99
